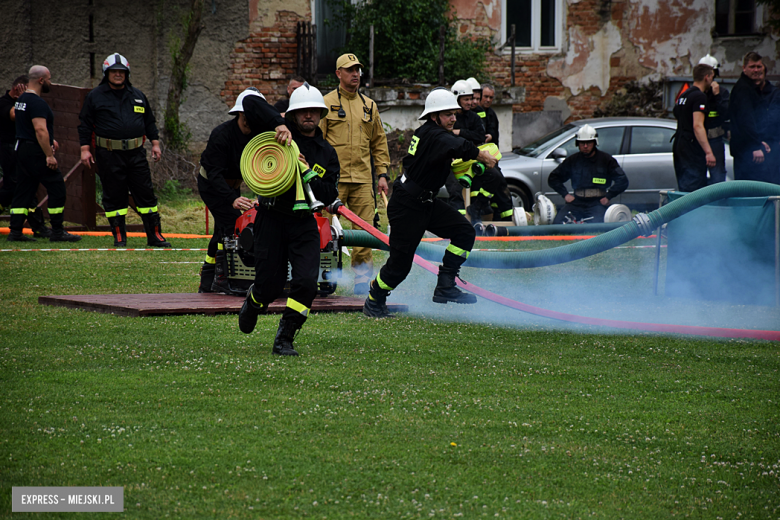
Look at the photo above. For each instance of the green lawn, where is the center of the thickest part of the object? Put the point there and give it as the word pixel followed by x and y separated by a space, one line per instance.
pixel 468 411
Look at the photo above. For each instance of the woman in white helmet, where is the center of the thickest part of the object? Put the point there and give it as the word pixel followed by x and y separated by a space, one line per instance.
pixel 414 208
pixel 282 234
pixel 595 176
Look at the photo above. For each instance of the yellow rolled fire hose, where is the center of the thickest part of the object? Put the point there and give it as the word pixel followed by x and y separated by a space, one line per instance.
pixel 270 168
pixel 465 171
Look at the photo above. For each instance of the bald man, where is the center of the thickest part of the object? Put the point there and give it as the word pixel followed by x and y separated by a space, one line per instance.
pixel 36 161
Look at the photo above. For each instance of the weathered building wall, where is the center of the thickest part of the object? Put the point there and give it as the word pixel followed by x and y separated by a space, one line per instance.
pixel 606 43
pixel 267 55
pixel 57 34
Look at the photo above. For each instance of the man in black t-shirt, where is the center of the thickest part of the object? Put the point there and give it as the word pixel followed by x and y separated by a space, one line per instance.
pixel 692 151
pixel 35 151
pixel 8 157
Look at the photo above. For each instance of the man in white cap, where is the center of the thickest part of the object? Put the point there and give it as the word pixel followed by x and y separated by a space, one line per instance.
pixel 353 127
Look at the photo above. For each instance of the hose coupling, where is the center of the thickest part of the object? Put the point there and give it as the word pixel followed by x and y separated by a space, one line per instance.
pixel 643 223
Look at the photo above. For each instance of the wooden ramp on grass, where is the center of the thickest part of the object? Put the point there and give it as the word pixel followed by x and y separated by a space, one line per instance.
pixel 189 303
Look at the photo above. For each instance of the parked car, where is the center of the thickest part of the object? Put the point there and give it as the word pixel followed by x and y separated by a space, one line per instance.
pixel 641 145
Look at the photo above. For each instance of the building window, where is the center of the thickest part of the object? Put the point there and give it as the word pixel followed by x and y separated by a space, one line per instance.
pixel 735 17
pixel 538 24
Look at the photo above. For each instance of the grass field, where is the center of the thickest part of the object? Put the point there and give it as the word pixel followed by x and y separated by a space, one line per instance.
pixel 445 412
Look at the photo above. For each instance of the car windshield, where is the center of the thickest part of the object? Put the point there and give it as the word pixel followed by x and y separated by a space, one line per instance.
pixel 540 145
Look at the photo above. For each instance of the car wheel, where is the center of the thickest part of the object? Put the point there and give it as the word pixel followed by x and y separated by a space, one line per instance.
pixel 520 197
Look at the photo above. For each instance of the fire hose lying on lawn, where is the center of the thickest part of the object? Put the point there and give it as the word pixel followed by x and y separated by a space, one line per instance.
pixel 642 224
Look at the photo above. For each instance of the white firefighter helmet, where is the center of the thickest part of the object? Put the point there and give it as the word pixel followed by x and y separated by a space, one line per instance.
pixel 116 62
pixel 474 84
pixel 438 100
pixel 544 210
pixel 462 88
pixel 307 96
pixel 712 61
pixel 586 133
pixel 617 213
pixel 239 106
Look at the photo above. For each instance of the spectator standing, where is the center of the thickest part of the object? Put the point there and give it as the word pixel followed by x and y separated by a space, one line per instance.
pixel 715 122
pixel 595 176
pixel 491 118
pixel 121 119
pixel 36 163
pixel 283 234
pixel 748 116
pixel 692 152
pixel 353 127
pixel 8 157
pixel 219 185
pixel 282 104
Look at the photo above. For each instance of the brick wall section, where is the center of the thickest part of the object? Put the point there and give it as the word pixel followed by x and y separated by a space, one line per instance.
pixel 265 58
pixel 531 69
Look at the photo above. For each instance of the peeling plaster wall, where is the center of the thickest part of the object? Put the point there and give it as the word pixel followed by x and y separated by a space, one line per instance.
pixel 587 62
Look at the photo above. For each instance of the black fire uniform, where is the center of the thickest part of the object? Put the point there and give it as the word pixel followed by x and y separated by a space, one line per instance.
pixel 219 185
pixel 414 208
pixel 8 164
pixel 490 119
pixel 121 120
pixel 690 162
pixel 592 178
pixel 491 187
pixel 717 126
pixel 471 129
pixel 283 235
pixel 32 169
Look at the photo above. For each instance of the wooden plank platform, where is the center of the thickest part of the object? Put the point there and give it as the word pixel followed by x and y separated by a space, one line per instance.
pixel 192 303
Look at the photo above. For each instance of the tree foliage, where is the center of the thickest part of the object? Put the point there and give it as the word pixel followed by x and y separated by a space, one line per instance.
pixel 406 39
pixel 176 133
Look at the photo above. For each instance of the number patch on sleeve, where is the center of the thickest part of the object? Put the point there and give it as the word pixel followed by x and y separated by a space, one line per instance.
pixel 319 170
pixel 413 145
pixel 139 110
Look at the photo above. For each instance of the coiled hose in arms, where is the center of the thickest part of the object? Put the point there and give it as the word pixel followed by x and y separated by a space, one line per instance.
pixel 643 224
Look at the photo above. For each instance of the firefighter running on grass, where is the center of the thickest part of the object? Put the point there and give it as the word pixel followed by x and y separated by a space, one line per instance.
pixel 283 234
pixel 414 208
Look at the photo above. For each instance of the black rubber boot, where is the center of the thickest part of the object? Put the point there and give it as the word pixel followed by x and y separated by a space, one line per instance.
pixel 247 316
pixel 37 224
pixel 375 305
pixel 119 230
pixel 285 334
pixel 475 212
pixel 60 235
pixel 153 230
pixel 16 225
pixel 18 236
pixel 446 291
pixel 206 277
pixel 221 284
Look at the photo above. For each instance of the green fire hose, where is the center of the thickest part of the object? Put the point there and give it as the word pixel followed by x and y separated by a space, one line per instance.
pixel 270 168
pixel 642 224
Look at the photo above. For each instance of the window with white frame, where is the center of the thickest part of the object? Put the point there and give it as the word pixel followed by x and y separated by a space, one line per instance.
pixel 538 23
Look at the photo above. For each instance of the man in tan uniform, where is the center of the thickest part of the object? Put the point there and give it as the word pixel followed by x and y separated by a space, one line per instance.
pixel 353 127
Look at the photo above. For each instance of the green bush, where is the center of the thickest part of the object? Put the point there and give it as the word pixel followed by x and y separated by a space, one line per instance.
pixel 406 39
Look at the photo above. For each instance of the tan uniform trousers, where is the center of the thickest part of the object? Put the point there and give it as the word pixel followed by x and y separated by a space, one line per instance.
pixel 359 198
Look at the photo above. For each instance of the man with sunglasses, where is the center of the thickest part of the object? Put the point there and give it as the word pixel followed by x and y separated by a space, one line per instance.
pixel 353 127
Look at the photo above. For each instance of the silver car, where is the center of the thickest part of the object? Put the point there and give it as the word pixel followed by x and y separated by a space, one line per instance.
pixel 641 145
